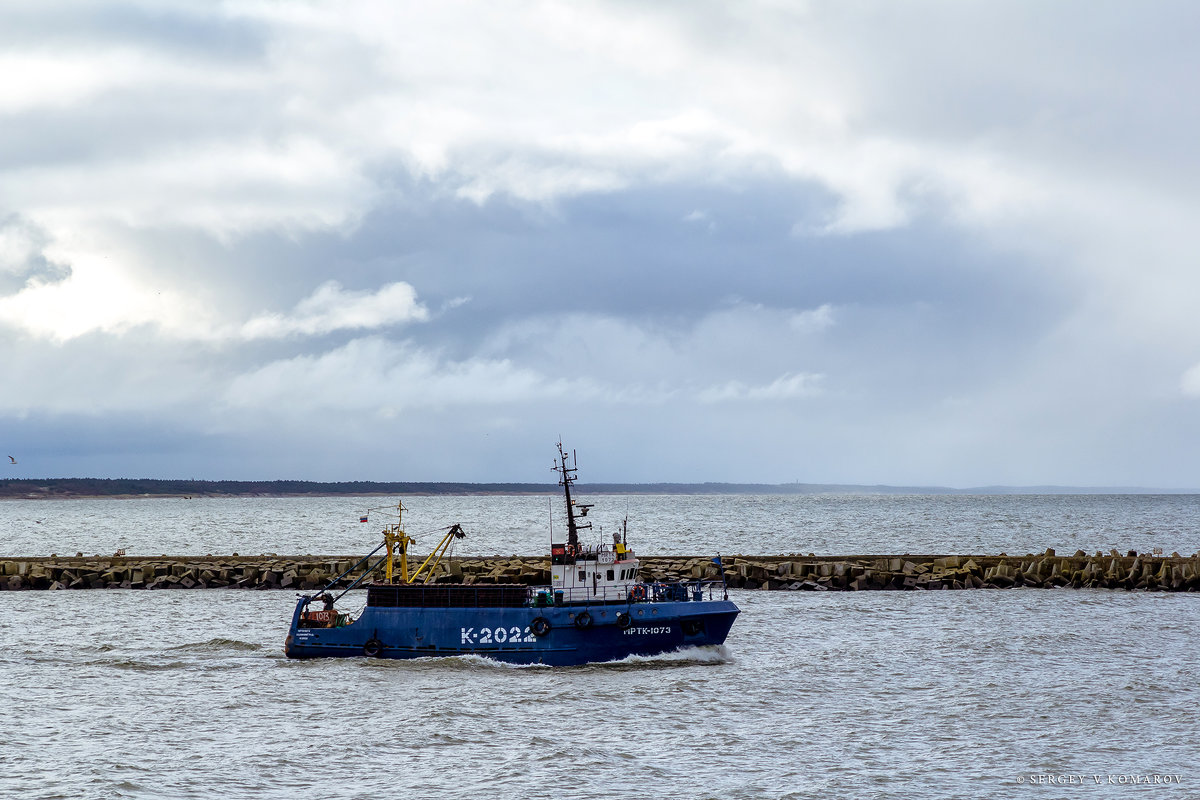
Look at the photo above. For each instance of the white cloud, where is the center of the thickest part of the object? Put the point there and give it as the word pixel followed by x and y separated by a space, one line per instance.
pixel 646 363
pixel 17 248
pixel 1189 383
pixel 331 308
pixel 99 296
pixel 95 297
pixel 291 137
pixel 816 319
pixel 596 360
pixel 227 189
pixel 491 102
pixel 22 256
pixel 47 78
pixel 386 378
pixel 785 387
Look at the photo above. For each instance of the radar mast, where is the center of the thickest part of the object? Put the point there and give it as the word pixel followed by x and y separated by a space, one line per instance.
pixel 566 469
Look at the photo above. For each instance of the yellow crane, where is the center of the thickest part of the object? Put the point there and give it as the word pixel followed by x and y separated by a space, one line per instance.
pixel 397 541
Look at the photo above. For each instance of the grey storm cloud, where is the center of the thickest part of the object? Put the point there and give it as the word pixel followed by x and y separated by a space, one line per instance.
pixel 759 241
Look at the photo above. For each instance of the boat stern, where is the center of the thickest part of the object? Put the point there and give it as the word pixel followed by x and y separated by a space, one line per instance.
pixel 290 642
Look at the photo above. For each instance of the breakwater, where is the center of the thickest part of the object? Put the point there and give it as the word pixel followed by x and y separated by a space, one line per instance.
pixel 1131 571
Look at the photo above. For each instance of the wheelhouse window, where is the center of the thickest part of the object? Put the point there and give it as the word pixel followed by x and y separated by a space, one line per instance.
pixel 610 575
pixel 583 575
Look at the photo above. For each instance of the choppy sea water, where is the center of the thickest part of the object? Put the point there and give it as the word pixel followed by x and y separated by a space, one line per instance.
pixel 882 694
pixel 1038 693
pixel 658 524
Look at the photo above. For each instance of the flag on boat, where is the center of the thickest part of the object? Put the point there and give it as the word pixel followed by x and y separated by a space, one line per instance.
pixel 362 519
pixel 717 560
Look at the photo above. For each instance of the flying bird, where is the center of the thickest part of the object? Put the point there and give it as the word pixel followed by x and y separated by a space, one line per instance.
pixel 13 460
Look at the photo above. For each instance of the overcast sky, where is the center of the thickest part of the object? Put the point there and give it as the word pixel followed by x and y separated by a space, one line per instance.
pixel 867 242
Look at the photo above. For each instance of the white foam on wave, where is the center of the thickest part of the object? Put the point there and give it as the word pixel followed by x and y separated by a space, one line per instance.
pixel 708 654
pixel 464 661
pixel 483 662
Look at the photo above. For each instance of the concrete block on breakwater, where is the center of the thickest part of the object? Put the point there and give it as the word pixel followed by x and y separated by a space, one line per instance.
pixel 1131 572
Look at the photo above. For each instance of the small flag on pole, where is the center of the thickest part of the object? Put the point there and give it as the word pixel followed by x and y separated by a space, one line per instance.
pixel 362 519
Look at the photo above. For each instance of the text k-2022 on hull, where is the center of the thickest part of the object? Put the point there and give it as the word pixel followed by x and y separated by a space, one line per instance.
pixel 595 608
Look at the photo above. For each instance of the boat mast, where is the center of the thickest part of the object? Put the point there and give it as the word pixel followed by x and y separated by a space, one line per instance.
pixel 567 476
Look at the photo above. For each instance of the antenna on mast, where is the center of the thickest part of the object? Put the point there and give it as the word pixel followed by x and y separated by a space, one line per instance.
pixel 566 476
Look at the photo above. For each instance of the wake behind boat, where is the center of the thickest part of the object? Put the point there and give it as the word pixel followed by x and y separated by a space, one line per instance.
pixel 595 609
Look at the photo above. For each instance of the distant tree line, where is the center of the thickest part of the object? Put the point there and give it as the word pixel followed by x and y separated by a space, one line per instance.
pixel 103 487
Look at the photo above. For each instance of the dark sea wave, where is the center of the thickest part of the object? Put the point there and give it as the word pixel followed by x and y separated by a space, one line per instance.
pixel 219 645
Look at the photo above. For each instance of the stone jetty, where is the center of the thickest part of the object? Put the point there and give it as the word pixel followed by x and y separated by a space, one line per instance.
pixel 1130 571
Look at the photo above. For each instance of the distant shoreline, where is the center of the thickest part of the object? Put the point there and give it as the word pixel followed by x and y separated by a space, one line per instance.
pixel 121 488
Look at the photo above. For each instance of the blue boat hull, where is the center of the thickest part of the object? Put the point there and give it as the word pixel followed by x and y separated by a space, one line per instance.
pixel 512 634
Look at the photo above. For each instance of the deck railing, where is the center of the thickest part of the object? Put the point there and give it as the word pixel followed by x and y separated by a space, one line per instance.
pixel 657 592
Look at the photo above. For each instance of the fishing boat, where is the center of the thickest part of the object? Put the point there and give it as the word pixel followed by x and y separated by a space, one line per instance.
pixel 596 608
